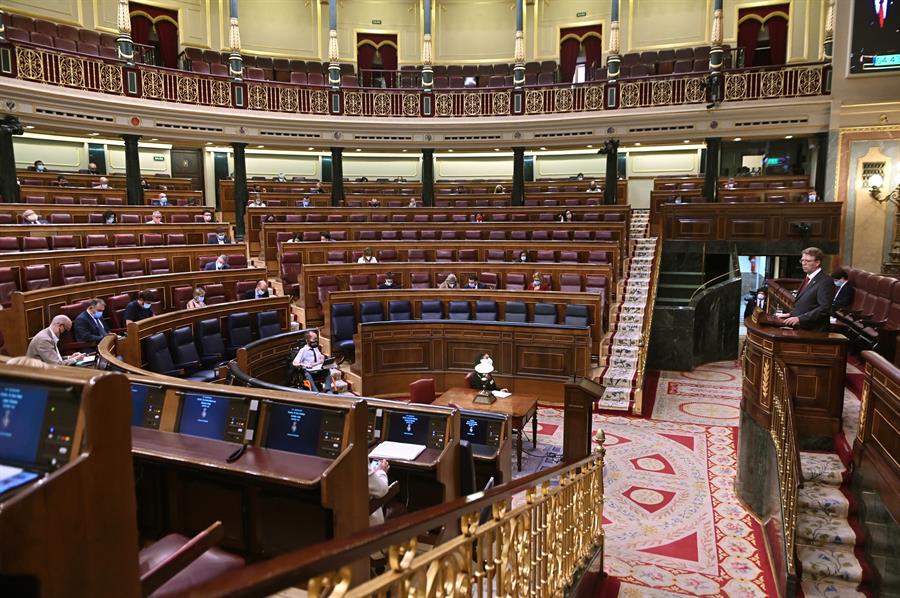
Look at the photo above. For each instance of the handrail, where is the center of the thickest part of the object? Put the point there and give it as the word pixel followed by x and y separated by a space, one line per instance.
pixel 541 545
pixel 710 282
pixel 783 429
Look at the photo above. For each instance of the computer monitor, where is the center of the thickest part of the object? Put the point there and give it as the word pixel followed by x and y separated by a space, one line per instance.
pixel 146 405
pixel 408 427
pixel 473 429
pixel 293 428
pixel 22 409
pixel 211 416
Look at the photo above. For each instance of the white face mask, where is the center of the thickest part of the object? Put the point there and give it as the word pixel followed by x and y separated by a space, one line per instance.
pixel 39 168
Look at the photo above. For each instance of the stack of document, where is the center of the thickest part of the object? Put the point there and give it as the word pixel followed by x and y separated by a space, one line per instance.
pixel 399 451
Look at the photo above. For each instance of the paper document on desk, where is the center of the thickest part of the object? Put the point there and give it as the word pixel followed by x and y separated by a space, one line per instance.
pixel 397 450
pixel 500 394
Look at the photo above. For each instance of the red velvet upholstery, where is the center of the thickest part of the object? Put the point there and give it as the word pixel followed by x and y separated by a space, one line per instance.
pixel 422 391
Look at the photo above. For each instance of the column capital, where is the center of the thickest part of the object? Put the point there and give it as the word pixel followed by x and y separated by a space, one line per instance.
pixel 10 125
pixel 238 144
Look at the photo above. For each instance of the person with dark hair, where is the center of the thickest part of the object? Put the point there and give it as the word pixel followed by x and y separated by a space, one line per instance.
pixel 389 283
pixel 62 181
pixel 522 257
pixel 88 326
pixel 208 216
pixel 319 188
pixel 844 291
pixel 474 283
pixel 260 291
pixel 139 308
pixel 221 263
pixel 812 306
pixel 481 378
pixel 109 217
pixel 220 238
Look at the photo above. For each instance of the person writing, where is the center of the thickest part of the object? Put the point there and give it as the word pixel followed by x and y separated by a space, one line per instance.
pixel 310 359
pixel 139 308
pixel 45 344
pixel 812 306
pixel 221 263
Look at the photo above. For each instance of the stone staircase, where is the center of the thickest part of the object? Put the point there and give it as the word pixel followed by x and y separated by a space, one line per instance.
pixel 828 541
pixel 622 365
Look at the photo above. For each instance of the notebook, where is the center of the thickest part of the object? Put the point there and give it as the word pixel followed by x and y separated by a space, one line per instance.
pixel 397 450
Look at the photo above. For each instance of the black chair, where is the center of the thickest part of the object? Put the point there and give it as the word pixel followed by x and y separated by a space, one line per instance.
pixel 459 310
pixel 371 311
pixel 184 352
pixel 486 310
pixel 268 324
pixel 343 327
pixel 239 331
pixel 210 342
pixel 159 358
pixel 544 313
pixel 399 310
pixel 576 315
pixel 515 312
pixel 432 310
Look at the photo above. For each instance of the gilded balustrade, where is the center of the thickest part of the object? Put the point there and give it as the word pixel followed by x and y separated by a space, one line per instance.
pixel 787 454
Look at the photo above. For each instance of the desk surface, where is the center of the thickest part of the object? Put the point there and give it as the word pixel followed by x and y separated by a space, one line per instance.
pixel 275 466
pixel 516 405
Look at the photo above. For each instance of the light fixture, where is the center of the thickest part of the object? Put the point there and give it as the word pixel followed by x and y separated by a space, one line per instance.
pixel 543 149
pixel 638 144
pixel 154 139
pixel 875 182
pixel 590 146
pixel 207 143
pixel 496 149
pixel 450 151
pixel 260 147
pixel 737 138
pixel 311 149
pixel 687 141
pixel 94 134
pixel 788 136
pixel 29 126
pixel 359 149
pixel 405 150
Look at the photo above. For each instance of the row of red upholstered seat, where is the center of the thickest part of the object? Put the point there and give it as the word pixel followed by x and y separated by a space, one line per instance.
pixel 84 201
pixel 456 235
pixel 8 244
pixel 873 319
pixel 97 218
pixel 70 39
pixel 413 216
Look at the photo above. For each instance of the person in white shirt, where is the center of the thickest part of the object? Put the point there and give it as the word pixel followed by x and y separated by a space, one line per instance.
pixel 378 487
pixel 593 188
pixel 310 359
pixel 102 184
pixel 367 257
pixel 155 217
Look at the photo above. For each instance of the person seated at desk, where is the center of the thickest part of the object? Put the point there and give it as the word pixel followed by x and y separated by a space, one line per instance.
pixel 812 305
pixel 88 325
pixel 374 203
pixel 378 487
pixel 306 202
pixel 144 184
pixel 474 283
pixel 155 218
pixel 103 183
pixel 412 203
pixel 261 291
pixel 297 238
pixel 44 345
pixel 499 189
pixel 32 217
pixel 92 169
pixel 844 291
pixel 449 283
pixel 208 216
pixel 319 188
pixel 256 202
pixel 325 237
pixel 220 239
pixel 309 360
pixel 38 166
pixel 140 308
pixel 730 184
pixel 481 378
pixel 537 283
pixel 62 181
pixel 522 257
pixel 281 178
pixel 389 283
pixel 593 188
pixel 367 257
pixel 162 200
pixel 109 217
pixel 199 299
pixel 221 263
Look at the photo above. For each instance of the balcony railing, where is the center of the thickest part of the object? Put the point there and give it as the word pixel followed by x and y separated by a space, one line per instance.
pixel 91 73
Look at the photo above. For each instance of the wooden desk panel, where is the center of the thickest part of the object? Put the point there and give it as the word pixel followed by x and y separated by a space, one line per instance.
pixel 48 178
pixel 195 232
pixel 118 192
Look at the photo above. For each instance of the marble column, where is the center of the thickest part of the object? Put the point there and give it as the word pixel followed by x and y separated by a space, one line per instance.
pixel 235 61
pixel 610 187
pixel 9 126
pixel 133 171
pixel 716 57
pixel 427 70
pixel 711 173
pixel 829 31
pixel 337 174
pixel 428 177
pixel 334 68
pixel 124 42
pixel 519 54
pixel 240 188
pixel 613 58
pixel 518 186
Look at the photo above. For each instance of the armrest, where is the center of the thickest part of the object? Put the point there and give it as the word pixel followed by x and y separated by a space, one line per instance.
pixel 392 492
pixel 188 365
pixel 155 578
pixel 878 324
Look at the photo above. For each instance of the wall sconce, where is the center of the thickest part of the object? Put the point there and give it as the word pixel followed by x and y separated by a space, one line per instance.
pixel 875 183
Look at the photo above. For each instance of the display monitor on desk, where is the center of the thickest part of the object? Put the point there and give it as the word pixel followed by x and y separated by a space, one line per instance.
pixel 212 416
pixel 37 424
pixel 416 428
pixel 146 405
pixel 304 429
pixel 480 429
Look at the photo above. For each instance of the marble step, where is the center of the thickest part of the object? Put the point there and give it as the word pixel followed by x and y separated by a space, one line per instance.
pixel 820 530
pixel 829 562
pixel 823 499
pixel 829 588
pixel 822 468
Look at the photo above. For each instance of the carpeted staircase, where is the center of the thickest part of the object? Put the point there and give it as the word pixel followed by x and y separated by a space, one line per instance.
pixel 623 364
pixel 828 540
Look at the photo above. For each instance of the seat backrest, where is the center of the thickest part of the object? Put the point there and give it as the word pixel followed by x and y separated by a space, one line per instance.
pixel 422 391
pixel 268 324
pixel 158 265
pixel 124 240
pixel 544 313
pixel 324 286
pixel 387 255
pixel 570 282
pixel 420 280
pixel 238 329
pixel 151 239
pixel 131 267
pixel 65 242
pixel 515 312
pixel 105 270
pixel 156 351
pixel 35 243
pixel 415 255
pixel 576 315
pixel 176 239
pixel 445 255
pixel 37 276
pixel 486 310
pixel 399 310
pixel 459 310
pixel 343 322
pixel 181 296
pixel 432 310
pixel 371 311
pixel 72 273
pixel 496 255
pixel 359 282
pixel 209 339
pixel 215 294
pixel 515 281
pixel 184 349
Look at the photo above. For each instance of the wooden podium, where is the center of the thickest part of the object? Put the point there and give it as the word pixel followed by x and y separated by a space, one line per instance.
pixel 816 363
pixel 578 418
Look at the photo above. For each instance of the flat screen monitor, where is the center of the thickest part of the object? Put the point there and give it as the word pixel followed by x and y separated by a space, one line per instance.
pixel 22 410
pixel 139 395
pixel 474 430
pixel 293 428
pixel 408 427
pixel 205 415
pixel 875 40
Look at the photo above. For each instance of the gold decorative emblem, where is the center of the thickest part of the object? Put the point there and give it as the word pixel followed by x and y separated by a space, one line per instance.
pixel 382 104
pixel 287 99
pixel 772 84
pixel 735 86
pixel 257 99
pixel 694 90
pixel 500 103
pixel 593 97
pixel 318 101
pixel 563 100
pixel 764 382
pixel 29 64
pixel 411 104
pixel 220 92
pixel 661 92
pixel 152 84
pixel 186 88
pixel 443 104
pixel 863 410
pixel 534 101
pixel 629 95
pixel 71 72
pixel 111 78
pixel 809 81
pixel 353 103
pixel 472 104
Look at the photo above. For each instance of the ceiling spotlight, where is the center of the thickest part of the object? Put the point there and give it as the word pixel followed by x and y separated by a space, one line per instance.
pixel 207 143
pixel 590 146
pixel 450 150
pixel 687 140
pixel 94 134
pixel 543 149
pixel 405 150
pixel 737 138
pixel 154 139
pixel 310 149
pixel 638 144
pixel 359 149
pixel 788 136
pixel 29 126
pixel 496 149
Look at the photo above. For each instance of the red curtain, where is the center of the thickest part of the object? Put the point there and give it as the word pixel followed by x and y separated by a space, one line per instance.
pixel 568 58
pixel 751 20
pixel 143 20
pixel 593 51
pixel 571 40
pixel 386 46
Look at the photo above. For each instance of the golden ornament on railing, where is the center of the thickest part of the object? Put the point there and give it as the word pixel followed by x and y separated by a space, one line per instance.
pixel 353 103
pixel 71 72
pixel 500 103
pixel 187 90
pixel 809 81
pixel 771 84
pixel 695 90
pixel 287 99
pixel 593 97
pixel 629 95
pixel 534 101
pixel 220 93
pixel 863 408
pixel 382 104
pixel 472 104
pixel 111 78
pixel 257 99
pixel 333 585
pixel 443 104
pixel 411 106
pixel 563 100
pixel 661 92
pixel 151 84
pixel 735 86
pixel 318 101
pixel 29 64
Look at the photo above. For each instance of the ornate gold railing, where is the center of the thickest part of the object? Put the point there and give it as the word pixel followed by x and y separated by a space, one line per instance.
pixel 90 73
pixel 787 454
pixel 535 546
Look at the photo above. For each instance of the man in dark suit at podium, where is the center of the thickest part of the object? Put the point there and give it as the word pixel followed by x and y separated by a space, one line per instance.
pixel 812 306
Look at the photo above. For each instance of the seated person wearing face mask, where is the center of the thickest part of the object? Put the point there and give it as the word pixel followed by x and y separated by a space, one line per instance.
pixel 139 309
pixel 208 216
pixel 220 238
pixel 221 263
pixel 109 217
pixel 39 166
pixel 103 183
pixel 538 284
pixel 162 201
pixel 155 218
pixel 481 378
pixel 261 291
pixel 474 283
pixel 309 360
pixel 523 256
pixel 449 283
pixel 305 202
pixel 88 326
pixel 843 292
pixel 199 299
pixel 44 345
pixel 32 217
pixel 389 282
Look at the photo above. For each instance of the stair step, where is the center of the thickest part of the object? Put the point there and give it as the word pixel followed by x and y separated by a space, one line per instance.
pixel 829 562
pixel 822 468
pixel 829 588
pixel 823 499
pixel 820 530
